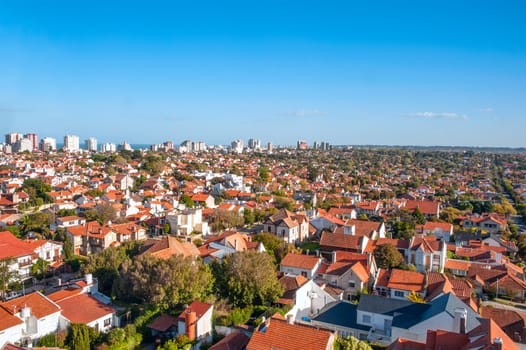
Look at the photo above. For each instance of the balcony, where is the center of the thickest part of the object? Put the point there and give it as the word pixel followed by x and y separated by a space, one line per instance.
pixel 379 336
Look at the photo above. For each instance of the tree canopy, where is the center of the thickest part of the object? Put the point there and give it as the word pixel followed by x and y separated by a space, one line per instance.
pixel 387 256
pixel 247 278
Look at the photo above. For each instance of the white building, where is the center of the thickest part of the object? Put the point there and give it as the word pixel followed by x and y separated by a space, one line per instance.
pixel 13 137
pixel 27 318
pixel 237 146
pixel 91 144
pixel 108 147
pixel 71 143
pixel 48 144
pixel 23 145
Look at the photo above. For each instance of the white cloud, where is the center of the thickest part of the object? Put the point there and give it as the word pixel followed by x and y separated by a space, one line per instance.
pixel 306 113
pixel 441 115
pixel 487 110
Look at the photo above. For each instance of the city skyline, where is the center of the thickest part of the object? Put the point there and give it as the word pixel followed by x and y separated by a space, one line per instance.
pixel 393 73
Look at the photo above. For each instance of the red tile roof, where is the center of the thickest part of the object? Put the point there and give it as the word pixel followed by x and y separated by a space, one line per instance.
pixel 39 304
pixel 12 247
pixel 83 308
pixel 281 335
pixel 300 261
pixel 163 323
pixel 406 280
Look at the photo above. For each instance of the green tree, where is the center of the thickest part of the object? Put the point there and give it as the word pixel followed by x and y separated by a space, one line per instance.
pixel 264 175
pixel 248 216
pixel 165 283
pixel 36 188
pixel 187 201
pixel 79 337
pixel 351 343
pixel 275 247
pixel 7 275
pixel 419 217
pixel 222 219
pixel 103 212
pixel 387 256
pixel 39 268
pixel 247 278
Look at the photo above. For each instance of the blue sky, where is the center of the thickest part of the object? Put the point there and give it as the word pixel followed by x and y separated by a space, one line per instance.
pixel 383 72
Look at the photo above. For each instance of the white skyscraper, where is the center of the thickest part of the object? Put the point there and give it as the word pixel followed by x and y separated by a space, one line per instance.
pixel 91 144
pixel 48 144
pixel 23 145
pixel 71 143
pixel 108 147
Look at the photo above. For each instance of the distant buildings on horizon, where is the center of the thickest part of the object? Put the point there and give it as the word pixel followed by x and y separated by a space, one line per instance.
pixel 17 143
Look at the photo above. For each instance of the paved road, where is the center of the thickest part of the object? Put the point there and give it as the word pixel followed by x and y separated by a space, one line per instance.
pixel 504 306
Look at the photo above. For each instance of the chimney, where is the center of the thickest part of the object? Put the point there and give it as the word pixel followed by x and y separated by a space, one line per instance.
pixel 461 315
pixel 290 319
pixel 497 341
pixel 333 256
pixel 88 278
pixel 191 324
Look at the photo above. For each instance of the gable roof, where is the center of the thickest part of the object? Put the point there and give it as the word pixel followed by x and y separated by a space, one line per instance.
pixel 422 312
pixel 300 261
pixel 340 240
pixel 12 247
pixel 278 334
pixel 233 341
pixel 168 246
pixel 39 304
pixel 342 314
pixel 163 323
pixel 83 308
pixel 198 307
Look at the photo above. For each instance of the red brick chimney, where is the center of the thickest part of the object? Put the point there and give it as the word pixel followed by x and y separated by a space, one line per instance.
pixel 191 324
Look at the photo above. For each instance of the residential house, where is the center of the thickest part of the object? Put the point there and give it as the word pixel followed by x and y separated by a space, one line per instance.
pixel 86 309
pixel 292 228
pixel 441 230
pixel 204 200
pixel 276 333
pixel 427 253
pixel 398 284
pixel 196 321
pixel 27 318
pixel 228 242
pixel 187 221
pixel 350 272
pixel 167 246
pixel 430 209
pixel 232 341
pixel 488 335
pixel 492 223
pixel 305 296
pixel 331 241
pixel 300 264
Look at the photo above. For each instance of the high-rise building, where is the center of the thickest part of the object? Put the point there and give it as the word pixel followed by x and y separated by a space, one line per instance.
pixel 270 147
pixel 34 139
pixel 13 137
pixel 23 145
pixel 237 146
pixel 48 144
pixel 91 144
pixel 254 144
pixel 302 144
pixel 108 147
pixel 198 146
pixel 125 146
pixel 71 143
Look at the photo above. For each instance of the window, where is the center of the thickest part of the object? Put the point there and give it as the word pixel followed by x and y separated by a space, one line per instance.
pixel 107 322
pixel 399 294
pixel 366 319
pixel 303 273
pixel 351 284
